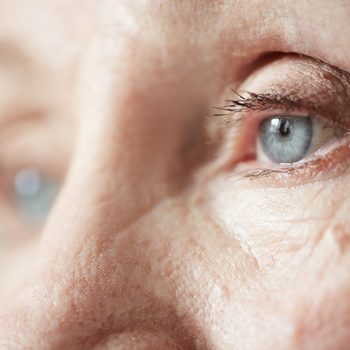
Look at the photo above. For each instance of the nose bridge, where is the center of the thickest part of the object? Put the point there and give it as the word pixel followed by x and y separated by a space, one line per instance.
pixel 122 168
pixel 87 278
pixel 126 102
pixel 136 129
pixel 121 151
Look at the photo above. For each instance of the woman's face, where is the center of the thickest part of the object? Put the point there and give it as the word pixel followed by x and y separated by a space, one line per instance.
pixel 199 155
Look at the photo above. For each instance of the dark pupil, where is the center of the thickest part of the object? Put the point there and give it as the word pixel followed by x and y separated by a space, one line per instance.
pixel 285 127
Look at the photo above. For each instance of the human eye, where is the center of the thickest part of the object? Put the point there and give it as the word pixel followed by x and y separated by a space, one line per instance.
pixel 288 139
pixel 27 194
pixel 30 178
pixel 33 194
pixel 289 133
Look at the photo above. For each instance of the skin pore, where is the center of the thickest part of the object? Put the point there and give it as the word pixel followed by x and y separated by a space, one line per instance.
pixel 157 240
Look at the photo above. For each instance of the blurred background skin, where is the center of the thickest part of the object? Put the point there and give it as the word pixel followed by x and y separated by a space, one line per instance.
pixel 150 244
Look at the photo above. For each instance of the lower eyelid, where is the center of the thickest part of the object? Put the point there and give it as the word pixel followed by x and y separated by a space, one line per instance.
pixel 326 165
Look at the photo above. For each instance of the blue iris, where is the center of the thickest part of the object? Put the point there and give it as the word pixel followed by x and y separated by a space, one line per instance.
pixel 34 194
pixel 286 139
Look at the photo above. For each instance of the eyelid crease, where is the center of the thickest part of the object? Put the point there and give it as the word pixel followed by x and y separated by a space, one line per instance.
pixel 311 86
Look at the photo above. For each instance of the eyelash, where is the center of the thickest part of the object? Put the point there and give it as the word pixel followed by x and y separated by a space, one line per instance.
pixel 236 111
pixel 264 102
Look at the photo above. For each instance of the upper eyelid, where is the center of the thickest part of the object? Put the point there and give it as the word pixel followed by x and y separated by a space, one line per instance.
pixel 315 90
pixel 261 102
pixel 310 86
pixel 236 109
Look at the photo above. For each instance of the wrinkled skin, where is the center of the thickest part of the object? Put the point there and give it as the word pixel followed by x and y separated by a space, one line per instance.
pixel 151 245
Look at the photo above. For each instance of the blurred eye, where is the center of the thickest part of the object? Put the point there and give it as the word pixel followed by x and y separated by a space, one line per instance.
pixel 34 194
pixel 290 139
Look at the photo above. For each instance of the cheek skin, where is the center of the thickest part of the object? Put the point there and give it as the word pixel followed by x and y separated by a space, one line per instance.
pixel 299 238
pixel 169 278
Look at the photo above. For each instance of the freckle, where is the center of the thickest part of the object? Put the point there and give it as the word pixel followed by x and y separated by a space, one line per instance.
pixel 328 76
pixel 226 293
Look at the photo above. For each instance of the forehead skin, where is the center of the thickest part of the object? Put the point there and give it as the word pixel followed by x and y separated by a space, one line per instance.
pixel 314 28
pixel 121 64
